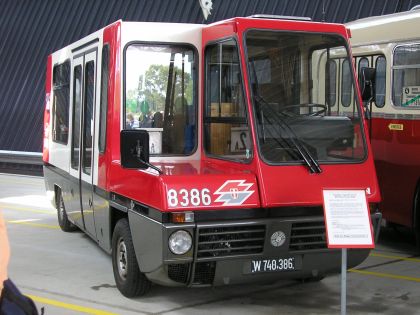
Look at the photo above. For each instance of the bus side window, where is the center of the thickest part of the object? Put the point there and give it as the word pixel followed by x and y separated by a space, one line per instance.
pixel 363 63
pixel 406 76
pixel 380 81
pixel 60 112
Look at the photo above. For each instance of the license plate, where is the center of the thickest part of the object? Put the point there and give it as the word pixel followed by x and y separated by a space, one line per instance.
pixel 273 265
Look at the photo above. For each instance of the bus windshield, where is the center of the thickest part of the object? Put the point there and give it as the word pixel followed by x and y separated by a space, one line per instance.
pixel 300 118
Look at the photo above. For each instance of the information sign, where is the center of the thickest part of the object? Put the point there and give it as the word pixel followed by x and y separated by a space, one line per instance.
pixel 411 96
pixel 347 219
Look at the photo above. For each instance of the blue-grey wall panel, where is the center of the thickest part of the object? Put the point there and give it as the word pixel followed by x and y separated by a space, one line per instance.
pixel 30 30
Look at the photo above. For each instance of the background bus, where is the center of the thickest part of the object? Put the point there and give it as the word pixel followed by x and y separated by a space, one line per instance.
pixel 391 45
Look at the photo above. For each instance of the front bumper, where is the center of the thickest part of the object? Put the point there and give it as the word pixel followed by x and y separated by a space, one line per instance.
pixel 222 251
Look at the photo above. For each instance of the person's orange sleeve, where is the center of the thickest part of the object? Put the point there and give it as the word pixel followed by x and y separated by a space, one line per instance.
pixel 4 251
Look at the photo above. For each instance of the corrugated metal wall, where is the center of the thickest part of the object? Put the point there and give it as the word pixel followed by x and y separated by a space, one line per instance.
pixel 31 29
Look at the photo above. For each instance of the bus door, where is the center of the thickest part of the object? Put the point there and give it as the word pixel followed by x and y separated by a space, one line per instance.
pixel 82 147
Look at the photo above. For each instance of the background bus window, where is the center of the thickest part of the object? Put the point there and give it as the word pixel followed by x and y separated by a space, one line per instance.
pixel 61 88
pixel 346 84
pixel 406 76
pixel 363 63
pixel 331 82
pixel 380 81
pixel 226 131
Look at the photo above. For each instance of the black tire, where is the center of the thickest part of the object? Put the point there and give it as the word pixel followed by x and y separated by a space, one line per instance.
pixel 63 220
pixel 130 281
pixel 416 218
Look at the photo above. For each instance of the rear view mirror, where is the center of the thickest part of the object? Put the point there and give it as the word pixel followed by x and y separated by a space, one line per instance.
pixel 134 147
pixel 367 84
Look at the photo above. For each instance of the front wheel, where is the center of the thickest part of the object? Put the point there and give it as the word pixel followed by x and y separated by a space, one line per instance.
pixel 130 281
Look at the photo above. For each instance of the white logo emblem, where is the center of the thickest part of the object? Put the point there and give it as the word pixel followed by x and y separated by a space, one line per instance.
pixel 234 192
pixel 278 238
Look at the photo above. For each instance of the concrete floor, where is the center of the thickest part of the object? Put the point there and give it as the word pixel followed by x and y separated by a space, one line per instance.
pixel 67 273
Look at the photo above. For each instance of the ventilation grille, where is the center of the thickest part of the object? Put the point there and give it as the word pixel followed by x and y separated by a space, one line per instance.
pixel 308 236
pixel 204 273
pixel 178 272
pixel 230 241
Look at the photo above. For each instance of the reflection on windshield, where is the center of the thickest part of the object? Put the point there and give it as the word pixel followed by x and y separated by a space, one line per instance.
pixel 299 114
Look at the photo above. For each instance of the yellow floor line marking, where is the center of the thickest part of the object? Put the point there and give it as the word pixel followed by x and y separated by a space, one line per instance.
pixel 73 307
pixel 25 220
pixel 48 226
pixel 385 275
pixel 395 257
pixel 4 206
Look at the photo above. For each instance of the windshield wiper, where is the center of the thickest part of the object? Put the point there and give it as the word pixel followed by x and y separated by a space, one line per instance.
pixel 297 143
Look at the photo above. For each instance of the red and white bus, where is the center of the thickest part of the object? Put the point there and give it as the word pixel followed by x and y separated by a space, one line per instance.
pixel 198 154
pixel 390 45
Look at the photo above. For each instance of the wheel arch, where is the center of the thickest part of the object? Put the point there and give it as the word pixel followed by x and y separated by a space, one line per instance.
pixel 115 215
pixel 57 190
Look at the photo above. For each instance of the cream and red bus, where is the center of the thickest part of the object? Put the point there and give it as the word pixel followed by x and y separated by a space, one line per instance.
pixel 390 45
pixel 198 154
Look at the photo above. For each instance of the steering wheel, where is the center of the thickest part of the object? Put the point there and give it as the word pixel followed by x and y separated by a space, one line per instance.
pixel 321 109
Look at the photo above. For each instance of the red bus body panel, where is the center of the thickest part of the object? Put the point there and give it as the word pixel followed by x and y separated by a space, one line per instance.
pixel 397 164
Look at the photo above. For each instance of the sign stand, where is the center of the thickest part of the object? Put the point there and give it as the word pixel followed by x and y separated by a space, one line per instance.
pixel 348 225
pixel 343 280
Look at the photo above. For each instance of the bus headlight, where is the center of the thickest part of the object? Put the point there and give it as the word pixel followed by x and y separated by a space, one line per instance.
pixel 180 242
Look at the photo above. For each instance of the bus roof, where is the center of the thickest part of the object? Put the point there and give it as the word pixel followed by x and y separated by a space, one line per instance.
pixel 395 27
